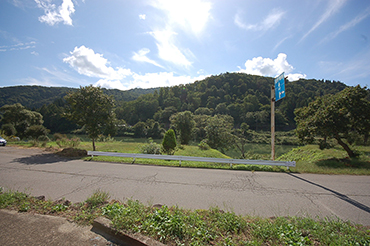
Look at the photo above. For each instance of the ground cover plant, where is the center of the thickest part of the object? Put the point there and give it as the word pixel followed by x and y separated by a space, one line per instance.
pixel 177 226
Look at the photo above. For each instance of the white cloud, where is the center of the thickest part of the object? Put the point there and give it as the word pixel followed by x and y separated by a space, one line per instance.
pixel 141 57
pixel 18 46
pixel 179 16
pixel 54 15
pixel 111 84
pixel 272 20
pixel 85 61
pixel 142 17
pixel 348 25
pixel 333 7
pixel 268 67
pixel 148 80
pixel 168 51
pixel 353 70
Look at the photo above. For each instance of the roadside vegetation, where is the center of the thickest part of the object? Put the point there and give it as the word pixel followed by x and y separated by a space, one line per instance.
pixel 177 226
pixel 309 158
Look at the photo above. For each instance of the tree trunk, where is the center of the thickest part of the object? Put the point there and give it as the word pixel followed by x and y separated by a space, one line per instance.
pixel 93 140
pixel 366 137
pixel 345 147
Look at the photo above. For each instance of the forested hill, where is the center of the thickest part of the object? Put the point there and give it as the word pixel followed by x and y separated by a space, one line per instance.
pixel 245 97
pixel 34 97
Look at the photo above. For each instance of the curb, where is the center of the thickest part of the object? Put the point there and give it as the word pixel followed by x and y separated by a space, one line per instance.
pixel 104 227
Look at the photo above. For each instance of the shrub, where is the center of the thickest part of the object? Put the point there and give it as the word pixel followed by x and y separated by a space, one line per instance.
pixel 203 145
pixel 169 142
pixel 8 129
pixel 58 136
pixel 43 138
pixel 65 142
pixel 36 131
pixel 102 138
pixel 151 148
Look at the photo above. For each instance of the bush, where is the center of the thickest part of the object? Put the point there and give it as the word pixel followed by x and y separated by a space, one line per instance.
pixel 151 148
pixel 102 138
pixel 8 129
pixel 58 136
pixel 43 138
pixel 65 142
pixel 203 145
pixel 36 131
pixel 169 142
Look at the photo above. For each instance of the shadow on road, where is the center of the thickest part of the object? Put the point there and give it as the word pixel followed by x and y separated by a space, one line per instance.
pixel 41 159
pixel 337 194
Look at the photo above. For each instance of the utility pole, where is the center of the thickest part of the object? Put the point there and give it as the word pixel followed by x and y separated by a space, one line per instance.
pixel 273 122
pixel 277 93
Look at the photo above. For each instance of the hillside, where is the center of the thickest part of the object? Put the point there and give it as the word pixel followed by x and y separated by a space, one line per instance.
pixel 34 97
pixel 244 97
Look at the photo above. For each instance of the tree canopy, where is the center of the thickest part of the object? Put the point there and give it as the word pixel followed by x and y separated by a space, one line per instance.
pixel 335 116
pixel 90 108
pixel 184 124
pixel 20 117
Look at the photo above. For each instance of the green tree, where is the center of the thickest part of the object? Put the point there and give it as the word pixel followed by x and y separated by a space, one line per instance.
pixel 36 131
pixel 333 116
pixel 169 142
pixel 140 130
pixel 154 129
pixel 199 131
pixel 242 136
pixel 203 110
pixel 219 131
pixel 184 124
pixel 20 117
pixel 90 108
pixel 9 129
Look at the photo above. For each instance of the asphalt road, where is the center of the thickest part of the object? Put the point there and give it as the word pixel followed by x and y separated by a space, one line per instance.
pixel 249 193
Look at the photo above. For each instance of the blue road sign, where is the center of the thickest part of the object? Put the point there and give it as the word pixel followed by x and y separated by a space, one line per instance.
pixel 279 87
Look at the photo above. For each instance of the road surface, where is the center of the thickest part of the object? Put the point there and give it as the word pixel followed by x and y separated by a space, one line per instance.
pixel 263 194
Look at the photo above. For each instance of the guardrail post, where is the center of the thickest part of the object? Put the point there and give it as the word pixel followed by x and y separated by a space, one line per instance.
pixel 133 161
pixel 180 163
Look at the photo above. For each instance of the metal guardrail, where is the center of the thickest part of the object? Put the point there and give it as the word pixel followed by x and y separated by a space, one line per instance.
pixel 193 158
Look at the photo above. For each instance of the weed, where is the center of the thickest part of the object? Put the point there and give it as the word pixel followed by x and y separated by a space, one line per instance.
pixel 65 142
pixel 98 198
pixel 150 148
pixel 24 207
pixel 59 208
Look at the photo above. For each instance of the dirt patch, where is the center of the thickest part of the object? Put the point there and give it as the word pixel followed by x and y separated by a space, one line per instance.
pixel 72 152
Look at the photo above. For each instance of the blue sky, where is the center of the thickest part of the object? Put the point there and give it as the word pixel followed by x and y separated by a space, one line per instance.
pixel 127 44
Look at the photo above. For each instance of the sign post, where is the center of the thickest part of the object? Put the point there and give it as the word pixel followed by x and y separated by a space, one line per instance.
pixel 277 93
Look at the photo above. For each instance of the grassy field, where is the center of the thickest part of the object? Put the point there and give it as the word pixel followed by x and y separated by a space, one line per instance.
pixel 176 226
pixel 309 158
